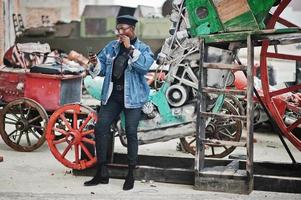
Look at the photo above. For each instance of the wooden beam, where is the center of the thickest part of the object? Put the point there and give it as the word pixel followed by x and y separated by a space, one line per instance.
pixel 268 176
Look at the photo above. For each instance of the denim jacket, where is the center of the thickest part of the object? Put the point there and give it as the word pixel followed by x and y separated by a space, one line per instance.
pixel 136 90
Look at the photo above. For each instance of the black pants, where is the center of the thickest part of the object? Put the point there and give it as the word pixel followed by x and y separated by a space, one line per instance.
pixel 106 116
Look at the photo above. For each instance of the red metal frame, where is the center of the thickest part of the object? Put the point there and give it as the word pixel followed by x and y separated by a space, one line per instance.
pixel 46 89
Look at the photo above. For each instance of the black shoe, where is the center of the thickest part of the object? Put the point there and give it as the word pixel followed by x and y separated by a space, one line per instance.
pixel 96 180
pixel 129 183
pixel 129 180
pixel 101 177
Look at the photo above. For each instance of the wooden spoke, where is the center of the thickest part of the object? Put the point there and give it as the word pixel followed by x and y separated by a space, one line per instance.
pixel 66 150
pixel 87 140
pixel 65 121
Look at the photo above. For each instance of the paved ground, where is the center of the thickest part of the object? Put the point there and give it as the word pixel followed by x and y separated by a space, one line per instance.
pixel 37 175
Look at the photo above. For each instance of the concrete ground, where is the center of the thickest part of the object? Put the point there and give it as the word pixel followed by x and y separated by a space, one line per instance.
pixel 37 175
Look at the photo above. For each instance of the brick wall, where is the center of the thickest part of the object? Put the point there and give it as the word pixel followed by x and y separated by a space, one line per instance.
pixel 74 9
pixel 57 10
pixel 33 16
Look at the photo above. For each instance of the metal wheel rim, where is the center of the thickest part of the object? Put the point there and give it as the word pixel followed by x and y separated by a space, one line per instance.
pixel 188 143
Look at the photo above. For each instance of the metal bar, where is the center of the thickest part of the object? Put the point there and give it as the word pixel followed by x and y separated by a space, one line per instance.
pixel 201 106
pixel 217 115
pixel 281 38
pixel 224 143
pixel 250 109
pixel 283 56
pixel 286 22
pixel 294 125
pixel 285 90
pixel 263 72
pixel 224 91
pixel 224 66
pixel 275 127
pixel 283 4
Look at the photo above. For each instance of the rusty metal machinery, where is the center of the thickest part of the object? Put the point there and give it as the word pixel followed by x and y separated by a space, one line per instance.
pixel 279 102
pixel 231 25
pixel 219 22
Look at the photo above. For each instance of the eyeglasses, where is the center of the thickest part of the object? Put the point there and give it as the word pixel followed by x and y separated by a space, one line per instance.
pixel 118 29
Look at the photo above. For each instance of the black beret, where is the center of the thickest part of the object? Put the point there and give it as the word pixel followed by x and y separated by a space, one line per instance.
pixel 126 19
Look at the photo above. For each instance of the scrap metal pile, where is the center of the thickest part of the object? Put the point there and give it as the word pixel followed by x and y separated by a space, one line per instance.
pixel 28 55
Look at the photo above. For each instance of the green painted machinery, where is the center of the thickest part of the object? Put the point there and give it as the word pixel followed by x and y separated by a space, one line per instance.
pixel 220 16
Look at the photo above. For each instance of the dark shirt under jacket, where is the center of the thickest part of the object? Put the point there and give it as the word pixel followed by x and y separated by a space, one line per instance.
pixel 120 63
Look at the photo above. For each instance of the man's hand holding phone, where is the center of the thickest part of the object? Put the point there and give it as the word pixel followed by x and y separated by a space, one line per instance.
pixel 92 61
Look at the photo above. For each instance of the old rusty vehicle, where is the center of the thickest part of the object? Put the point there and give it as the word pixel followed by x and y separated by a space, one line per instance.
pixel 29 95
pixel 95 29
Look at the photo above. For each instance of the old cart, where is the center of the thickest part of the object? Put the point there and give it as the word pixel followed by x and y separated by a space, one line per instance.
pixel 28 98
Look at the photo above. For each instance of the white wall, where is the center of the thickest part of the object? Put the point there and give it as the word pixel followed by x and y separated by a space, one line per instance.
pixel 61 9
pixel 130 3
pixel 9 35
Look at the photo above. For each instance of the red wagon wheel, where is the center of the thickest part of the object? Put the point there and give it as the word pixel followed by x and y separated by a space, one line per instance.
pixel 277 102
pixel 70 136
pixel 22 124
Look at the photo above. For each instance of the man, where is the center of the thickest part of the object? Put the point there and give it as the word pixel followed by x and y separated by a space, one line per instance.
pixel 123 62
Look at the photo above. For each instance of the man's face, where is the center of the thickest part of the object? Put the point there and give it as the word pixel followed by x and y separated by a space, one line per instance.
pixel 125 29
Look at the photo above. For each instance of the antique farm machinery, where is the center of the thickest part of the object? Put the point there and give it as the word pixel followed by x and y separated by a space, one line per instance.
pixel 236 20
pixel 232 25
pixel 217 30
